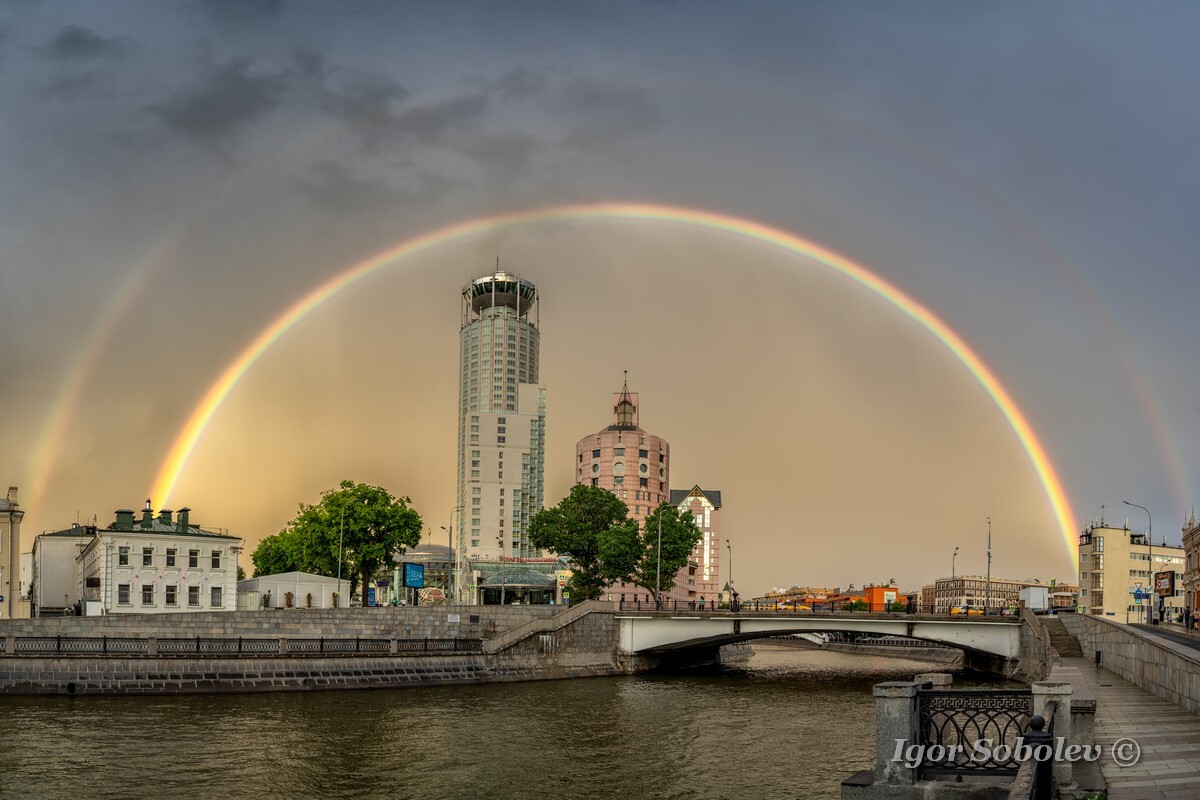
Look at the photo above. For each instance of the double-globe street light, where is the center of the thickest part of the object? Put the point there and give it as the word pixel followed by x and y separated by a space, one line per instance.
pixel 451 568
pixel 1150 558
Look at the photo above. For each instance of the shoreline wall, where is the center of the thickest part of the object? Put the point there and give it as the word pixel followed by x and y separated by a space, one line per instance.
pixel 519 643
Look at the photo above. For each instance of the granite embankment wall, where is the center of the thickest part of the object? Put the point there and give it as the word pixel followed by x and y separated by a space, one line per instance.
pixel 949 657
pixel 513 643
pixel 1160 666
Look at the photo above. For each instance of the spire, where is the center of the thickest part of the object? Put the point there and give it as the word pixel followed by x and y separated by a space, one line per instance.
pixel 625 409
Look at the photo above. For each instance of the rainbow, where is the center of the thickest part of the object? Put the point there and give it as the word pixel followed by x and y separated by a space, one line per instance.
pixel 185 442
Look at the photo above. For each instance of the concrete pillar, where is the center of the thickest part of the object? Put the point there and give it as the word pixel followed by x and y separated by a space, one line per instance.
pixel 895 719
pixel 940 680
pixel 151 645
pixel 1044 692
pixel 283 646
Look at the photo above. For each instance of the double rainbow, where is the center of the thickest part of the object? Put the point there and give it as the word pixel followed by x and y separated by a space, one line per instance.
pixel 186 440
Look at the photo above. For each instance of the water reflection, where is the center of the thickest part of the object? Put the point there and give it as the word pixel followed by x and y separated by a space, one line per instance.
pixel 786 723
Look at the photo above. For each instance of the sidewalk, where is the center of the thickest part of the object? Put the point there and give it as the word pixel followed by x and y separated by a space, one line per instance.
pixel 1168 735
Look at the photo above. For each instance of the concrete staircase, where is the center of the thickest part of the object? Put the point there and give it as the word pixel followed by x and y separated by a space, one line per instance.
pixel 1060 638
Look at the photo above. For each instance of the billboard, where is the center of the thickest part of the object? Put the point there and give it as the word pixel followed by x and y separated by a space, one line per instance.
pixel 414 575
pixel 1164 583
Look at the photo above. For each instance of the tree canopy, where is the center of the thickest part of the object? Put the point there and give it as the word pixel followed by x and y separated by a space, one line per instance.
pixel 374 527
pixel 636 556
pixel 577 528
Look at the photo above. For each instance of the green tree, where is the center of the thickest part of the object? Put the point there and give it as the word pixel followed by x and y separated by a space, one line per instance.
pixel 644 558
pixel 275 554
pixel 372 525
pixel 576 528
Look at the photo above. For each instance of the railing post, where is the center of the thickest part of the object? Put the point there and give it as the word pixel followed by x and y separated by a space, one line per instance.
pixel 197 644
pixel 1041 744
pixel 895 721
pixel 104 646
pixel 283 646
pixel 1059 723
pixel 239 645
pixel 59 645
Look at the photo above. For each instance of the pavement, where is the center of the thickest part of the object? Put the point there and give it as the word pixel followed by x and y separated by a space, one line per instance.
pixel 1172 632
pixel 1168 735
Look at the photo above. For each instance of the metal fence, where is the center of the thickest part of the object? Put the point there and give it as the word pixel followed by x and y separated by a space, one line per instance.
pixel 79 645
pixel 951 723
pixel 233 646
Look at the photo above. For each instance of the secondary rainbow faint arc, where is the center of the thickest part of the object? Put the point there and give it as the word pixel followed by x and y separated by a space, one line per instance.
pixel 186 440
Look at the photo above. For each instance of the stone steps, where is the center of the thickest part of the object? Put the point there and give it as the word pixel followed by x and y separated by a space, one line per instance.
pixel 1060 638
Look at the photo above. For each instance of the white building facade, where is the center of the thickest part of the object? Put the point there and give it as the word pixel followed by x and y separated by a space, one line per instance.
pixel 501 422
pixel 158 565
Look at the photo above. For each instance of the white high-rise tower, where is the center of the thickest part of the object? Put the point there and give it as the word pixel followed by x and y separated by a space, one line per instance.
pixel 501 420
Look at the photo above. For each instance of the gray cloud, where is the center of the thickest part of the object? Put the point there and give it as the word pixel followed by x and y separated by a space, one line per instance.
pixel 74 42
pixel 223 102
pixel 603 113
pixel 333 187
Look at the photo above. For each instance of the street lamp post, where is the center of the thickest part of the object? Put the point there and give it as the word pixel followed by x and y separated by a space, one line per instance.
pixel 987 593
pixel 658 578
pixel 503 575
pixel 1149 557
pixel 732 591
pixel 450 567
pixel 341 550
pixel 950 601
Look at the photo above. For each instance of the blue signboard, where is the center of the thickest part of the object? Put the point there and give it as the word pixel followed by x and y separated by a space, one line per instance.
pixel 414 576
pixel 371 596
pixel 1139 595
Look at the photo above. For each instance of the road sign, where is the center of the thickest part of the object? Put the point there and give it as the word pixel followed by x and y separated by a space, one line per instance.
pixel 1139 595
pixel 1137 584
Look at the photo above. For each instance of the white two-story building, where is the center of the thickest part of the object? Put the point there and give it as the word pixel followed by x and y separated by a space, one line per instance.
pixel 157 565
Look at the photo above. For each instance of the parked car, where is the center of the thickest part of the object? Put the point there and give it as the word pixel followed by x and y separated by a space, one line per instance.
pixel 969 611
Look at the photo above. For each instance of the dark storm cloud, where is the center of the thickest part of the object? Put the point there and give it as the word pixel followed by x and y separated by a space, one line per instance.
pixel 603 113
pixel 221 103
pixel 235 11
pixel 368 107
pixel 74 42
pixel 334 187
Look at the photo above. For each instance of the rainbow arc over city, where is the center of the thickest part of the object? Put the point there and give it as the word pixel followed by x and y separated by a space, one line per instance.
pixel 186 440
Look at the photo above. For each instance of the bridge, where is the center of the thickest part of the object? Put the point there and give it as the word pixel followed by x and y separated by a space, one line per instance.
pixel 1007 646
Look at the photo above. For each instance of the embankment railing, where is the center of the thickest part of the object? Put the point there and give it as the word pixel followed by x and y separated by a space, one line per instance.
pixel 245 646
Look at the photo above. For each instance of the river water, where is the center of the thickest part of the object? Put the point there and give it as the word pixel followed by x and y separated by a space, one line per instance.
pixel 784 724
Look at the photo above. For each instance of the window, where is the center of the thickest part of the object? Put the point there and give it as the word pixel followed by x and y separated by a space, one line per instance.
pixel 618 451
pixel 643 481
pixel 170 556
pixel 193 558
pixel 619 479
pixel 123 594
pixel 476 501
pixel 643 453
pixel 216 559
pixel 595 454
pixel 147 556
pixel 148 594
pixel 595 468
pixel 595 481
pixel 215 600
pixel 123 556
pixel 501 420
pixel 171 600
pixel 476 490
pixel 194 596
pixel 499 440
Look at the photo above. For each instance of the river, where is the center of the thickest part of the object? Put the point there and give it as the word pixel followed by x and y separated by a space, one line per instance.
pixel 783 724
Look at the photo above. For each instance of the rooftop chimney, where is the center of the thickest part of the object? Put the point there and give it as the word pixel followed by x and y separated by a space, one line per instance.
pixel 124 520
pixel 147 515
pixel 183 519
pixel 164 516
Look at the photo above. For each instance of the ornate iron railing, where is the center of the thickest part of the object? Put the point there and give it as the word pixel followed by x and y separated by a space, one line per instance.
pixel 950 723
pixel 232 646
pixel 198 645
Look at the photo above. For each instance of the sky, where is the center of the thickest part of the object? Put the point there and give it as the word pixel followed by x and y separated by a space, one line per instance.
pixel 176 177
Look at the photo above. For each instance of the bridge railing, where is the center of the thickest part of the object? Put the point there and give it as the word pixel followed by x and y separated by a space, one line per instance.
pixel 760 607
pixel 240 646
pixel 971 732
pixel 1035 774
